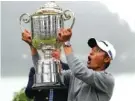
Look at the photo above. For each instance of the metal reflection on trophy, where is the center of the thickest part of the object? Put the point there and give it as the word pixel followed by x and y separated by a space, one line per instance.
pixel 45 23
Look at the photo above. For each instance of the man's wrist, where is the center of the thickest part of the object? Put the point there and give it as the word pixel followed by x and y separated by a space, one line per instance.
pixel 67 44
pixel 67 47
pixel 68 50
pixel 33 50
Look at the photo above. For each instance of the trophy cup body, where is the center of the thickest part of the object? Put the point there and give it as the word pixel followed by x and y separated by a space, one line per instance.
pixel 45 23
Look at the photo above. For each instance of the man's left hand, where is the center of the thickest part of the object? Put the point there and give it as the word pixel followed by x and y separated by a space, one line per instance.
pixel 64 34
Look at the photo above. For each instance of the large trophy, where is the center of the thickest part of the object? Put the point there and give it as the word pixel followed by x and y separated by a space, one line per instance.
pixel 45 23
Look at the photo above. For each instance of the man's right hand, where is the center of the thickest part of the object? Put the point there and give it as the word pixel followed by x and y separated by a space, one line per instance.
pixel 56 54
pixel 26 36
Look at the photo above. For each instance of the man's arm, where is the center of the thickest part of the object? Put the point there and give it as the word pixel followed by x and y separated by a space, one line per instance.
pixel 26 37
pixel 99 80
pixel 35 55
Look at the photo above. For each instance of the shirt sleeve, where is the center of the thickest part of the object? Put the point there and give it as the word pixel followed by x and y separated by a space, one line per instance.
pixel 35 59
pixel 65 76
pixel 30 93
pixel 64 65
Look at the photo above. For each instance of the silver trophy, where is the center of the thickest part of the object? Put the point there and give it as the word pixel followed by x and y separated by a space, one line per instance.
pixel 45 23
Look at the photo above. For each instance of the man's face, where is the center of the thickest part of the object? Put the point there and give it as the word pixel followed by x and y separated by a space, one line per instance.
pixel 97 58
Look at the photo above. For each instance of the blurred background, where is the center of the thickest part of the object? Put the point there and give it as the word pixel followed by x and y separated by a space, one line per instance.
pixel 112 20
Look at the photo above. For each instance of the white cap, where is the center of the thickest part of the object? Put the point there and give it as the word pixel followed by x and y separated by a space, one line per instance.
pixel 104 45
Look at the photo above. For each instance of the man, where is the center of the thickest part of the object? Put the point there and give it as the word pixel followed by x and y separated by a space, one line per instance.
pixel 91 82
pixel 42 95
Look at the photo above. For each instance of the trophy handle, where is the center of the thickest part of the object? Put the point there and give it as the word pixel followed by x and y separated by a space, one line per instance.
pixel 68 16
pixel 25 17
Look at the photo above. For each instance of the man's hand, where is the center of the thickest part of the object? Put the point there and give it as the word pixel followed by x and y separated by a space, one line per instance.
pixel 26 36
pixel 56 54
pixel 64 34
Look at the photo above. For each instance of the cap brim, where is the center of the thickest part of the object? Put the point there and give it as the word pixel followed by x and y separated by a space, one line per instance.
pixel 92 42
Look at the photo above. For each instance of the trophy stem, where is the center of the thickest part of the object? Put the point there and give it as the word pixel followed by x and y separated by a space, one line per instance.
pixel 48 70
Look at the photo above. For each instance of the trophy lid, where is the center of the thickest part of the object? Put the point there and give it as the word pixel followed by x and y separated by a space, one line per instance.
pixel 49 8
pixel 53 5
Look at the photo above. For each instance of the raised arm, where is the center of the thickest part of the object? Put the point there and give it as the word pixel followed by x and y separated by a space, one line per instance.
pixel 99 80
pixel 26 36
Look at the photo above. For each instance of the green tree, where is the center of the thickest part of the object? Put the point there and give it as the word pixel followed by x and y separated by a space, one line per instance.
pixel 20 96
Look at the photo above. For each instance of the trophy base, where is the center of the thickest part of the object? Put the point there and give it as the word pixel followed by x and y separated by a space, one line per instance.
pixel 48 86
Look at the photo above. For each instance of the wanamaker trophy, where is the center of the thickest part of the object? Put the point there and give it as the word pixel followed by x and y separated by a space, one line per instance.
pixel 45 23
